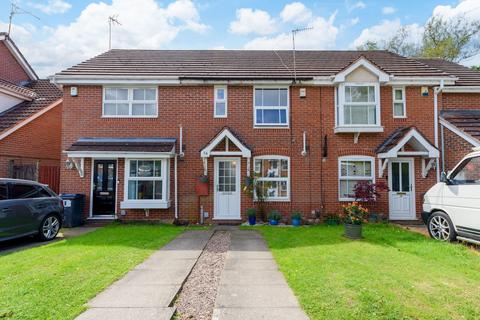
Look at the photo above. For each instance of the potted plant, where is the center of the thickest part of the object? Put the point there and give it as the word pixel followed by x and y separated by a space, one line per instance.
pixel 273 217
pixel 252 216
pixel 354 215
pixel 332 220
pixel 369 193
pixel 255 191
pixel 296 219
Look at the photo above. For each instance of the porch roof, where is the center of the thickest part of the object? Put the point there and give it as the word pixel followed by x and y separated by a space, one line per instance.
pixel 394 145
pixel 93 146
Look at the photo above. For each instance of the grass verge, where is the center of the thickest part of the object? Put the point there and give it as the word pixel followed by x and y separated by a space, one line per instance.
pixel 56 280
pixel 390 274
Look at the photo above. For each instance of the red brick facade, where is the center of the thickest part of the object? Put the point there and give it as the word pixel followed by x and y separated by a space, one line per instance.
pixel 10 69
pixel 313 178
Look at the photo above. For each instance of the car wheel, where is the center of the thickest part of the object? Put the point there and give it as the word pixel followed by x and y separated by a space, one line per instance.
pixel 50 227
pixel 440 227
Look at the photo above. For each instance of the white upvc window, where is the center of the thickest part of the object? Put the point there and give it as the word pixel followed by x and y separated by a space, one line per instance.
pixel 271 106
pixel 220 102
pixel 273 175
pixel 352 170
pixel 120 102
pixel 146 183
pixel 358 105
pixel 399 104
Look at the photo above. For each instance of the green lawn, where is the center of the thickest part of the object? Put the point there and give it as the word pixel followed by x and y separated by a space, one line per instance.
pixel 391 274
pixel 56 280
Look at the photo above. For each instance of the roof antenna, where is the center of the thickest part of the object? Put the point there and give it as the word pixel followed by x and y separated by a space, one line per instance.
pixel 15 10
pixel 294 32
pixel 111 20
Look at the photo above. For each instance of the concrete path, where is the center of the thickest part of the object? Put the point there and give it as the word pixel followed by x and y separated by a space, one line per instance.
pixel 251 287
pixel 11 246
pixel 147 291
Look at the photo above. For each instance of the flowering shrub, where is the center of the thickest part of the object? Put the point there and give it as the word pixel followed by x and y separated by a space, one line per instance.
pixel 368 192
pixel 354 213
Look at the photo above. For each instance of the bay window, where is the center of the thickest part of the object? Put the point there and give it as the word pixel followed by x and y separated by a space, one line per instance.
pixel 130 102
pixel 146 183
pixel 358 105
pixel 273 177
pixel 271 107
pixel 352 170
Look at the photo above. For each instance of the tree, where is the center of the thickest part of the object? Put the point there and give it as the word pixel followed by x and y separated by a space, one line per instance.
pixel 452 39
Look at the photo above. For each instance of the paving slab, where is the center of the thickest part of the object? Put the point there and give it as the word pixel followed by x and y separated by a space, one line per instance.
pixel 247 296
pixel 242 254
pixel 127 314
pixel 257 277
pixel 248 245
pixel 196 234
pixel 250 264
pixel 155 276
pixel 158 263
pixel 135 296
pixel 256 313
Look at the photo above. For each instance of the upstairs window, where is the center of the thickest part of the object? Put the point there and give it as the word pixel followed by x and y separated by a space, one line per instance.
pixel 359 105
pixel 220 102
pixel 130 102
pixel 271 107
pixel 399 107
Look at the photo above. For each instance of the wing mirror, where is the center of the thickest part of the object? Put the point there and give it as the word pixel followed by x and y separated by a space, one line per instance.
pixel 444 178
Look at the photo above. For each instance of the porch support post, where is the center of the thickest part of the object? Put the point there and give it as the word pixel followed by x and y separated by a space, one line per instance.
pixel 79 165
pixel 248 166
pixel 427 166
pixel 205 165
pixel 381 167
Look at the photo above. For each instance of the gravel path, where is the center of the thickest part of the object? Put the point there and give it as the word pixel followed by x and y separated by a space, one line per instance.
pixel 197 298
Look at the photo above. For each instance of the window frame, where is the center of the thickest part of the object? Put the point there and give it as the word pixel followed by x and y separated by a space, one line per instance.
pixel 403 101
pixel 165 178
pixel 458 169
pixel 286 108
pixel 346 178
pixel 129 101
pixel 274 157
pixel 224 100
pixel 342 101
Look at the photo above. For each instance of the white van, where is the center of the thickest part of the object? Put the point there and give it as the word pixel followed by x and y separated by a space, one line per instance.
pixel 451 208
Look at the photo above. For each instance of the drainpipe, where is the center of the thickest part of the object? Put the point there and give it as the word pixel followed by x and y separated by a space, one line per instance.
pixel 176 188
pixel 436 91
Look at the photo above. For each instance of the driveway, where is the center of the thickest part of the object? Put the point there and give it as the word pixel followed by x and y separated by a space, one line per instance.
pixel 10 246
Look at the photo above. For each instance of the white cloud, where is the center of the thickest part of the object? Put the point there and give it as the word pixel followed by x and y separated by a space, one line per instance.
pixel 468 8
pixel 52 6
pixel 388 10
pixel 354 21
pixel 295 12
pixel 322 36
pixel 252 21
pixel 146 25
pixel 357 5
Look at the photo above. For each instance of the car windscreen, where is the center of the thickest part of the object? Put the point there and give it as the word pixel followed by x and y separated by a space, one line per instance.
pixel 468 172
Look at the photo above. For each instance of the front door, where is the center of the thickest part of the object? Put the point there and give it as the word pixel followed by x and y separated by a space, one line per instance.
pixel 227 189
pixel 104 187
pixel 402 189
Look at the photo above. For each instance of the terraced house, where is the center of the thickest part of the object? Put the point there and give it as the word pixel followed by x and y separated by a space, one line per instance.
pixel 141 127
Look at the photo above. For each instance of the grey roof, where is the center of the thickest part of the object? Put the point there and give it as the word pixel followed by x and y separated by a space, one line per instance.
pixel 466 120
pixel 466 76
pixel 394 138
pixel 114 144
pixel 242 64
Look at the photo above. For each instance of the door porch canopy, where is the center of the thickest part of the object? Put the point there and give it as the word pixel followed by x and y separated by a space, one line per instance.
pixel 407 142
pixel 225 143
pixel 113 148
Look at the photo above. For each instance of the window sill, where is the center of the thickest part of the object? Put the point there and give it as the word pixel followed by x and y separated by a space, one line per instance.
pixel 353 129
pixel 274 200
pixel 144 204
pixel 271 127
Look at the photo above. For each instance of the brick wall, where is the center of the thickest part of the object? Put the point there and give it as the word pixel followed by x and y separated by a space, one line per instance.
pixel 36 142
pixel 455 149
pixel 10 69
pixel 314 180
pixel 459 101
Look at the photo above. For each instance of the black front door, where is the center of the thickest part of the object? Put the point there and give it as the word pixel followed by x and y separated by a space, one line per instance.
pixel 104 186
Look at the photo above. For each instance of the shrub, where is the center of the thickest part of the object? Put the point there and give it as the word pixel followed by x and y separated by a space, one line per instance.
pixel 251 212
pixel 297 215
pixel 274 215
pixel 355 213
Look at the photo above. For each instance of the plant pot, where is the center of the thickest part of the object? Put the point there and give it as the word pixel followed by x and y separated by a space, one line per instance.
pixel 296 222
pixel 252 220
pixel 353 231
pixel 273 222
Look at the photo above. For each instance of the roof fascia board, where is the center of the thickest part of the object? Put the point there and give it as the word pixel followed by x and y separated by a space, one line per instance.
pixel 462 134
pixel 430 81
pixel 20 58
pixel 233 81
pixel 462 89
pixel 118 154
pixel 15 94
pixel 205 153
pixel 29 119
pixel 362 62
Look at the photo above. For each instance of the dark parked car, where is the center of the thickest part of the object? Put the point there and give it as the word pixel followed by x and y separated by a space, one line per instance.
pixel 29 208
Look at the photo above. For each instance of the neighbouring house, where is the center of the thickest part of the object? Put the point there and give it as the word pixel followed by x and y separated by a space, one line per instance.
pixel 459 108
pixel 140 127
pixel 30 120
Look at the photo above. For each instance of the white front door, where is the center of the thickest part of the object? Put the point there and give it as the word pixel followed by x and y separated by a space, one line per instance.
pixel 401 196
pixel 227 189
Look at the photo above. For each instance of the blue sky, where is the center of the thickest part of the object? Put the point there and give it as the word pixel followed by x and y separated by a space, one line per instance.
pixel 70 31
